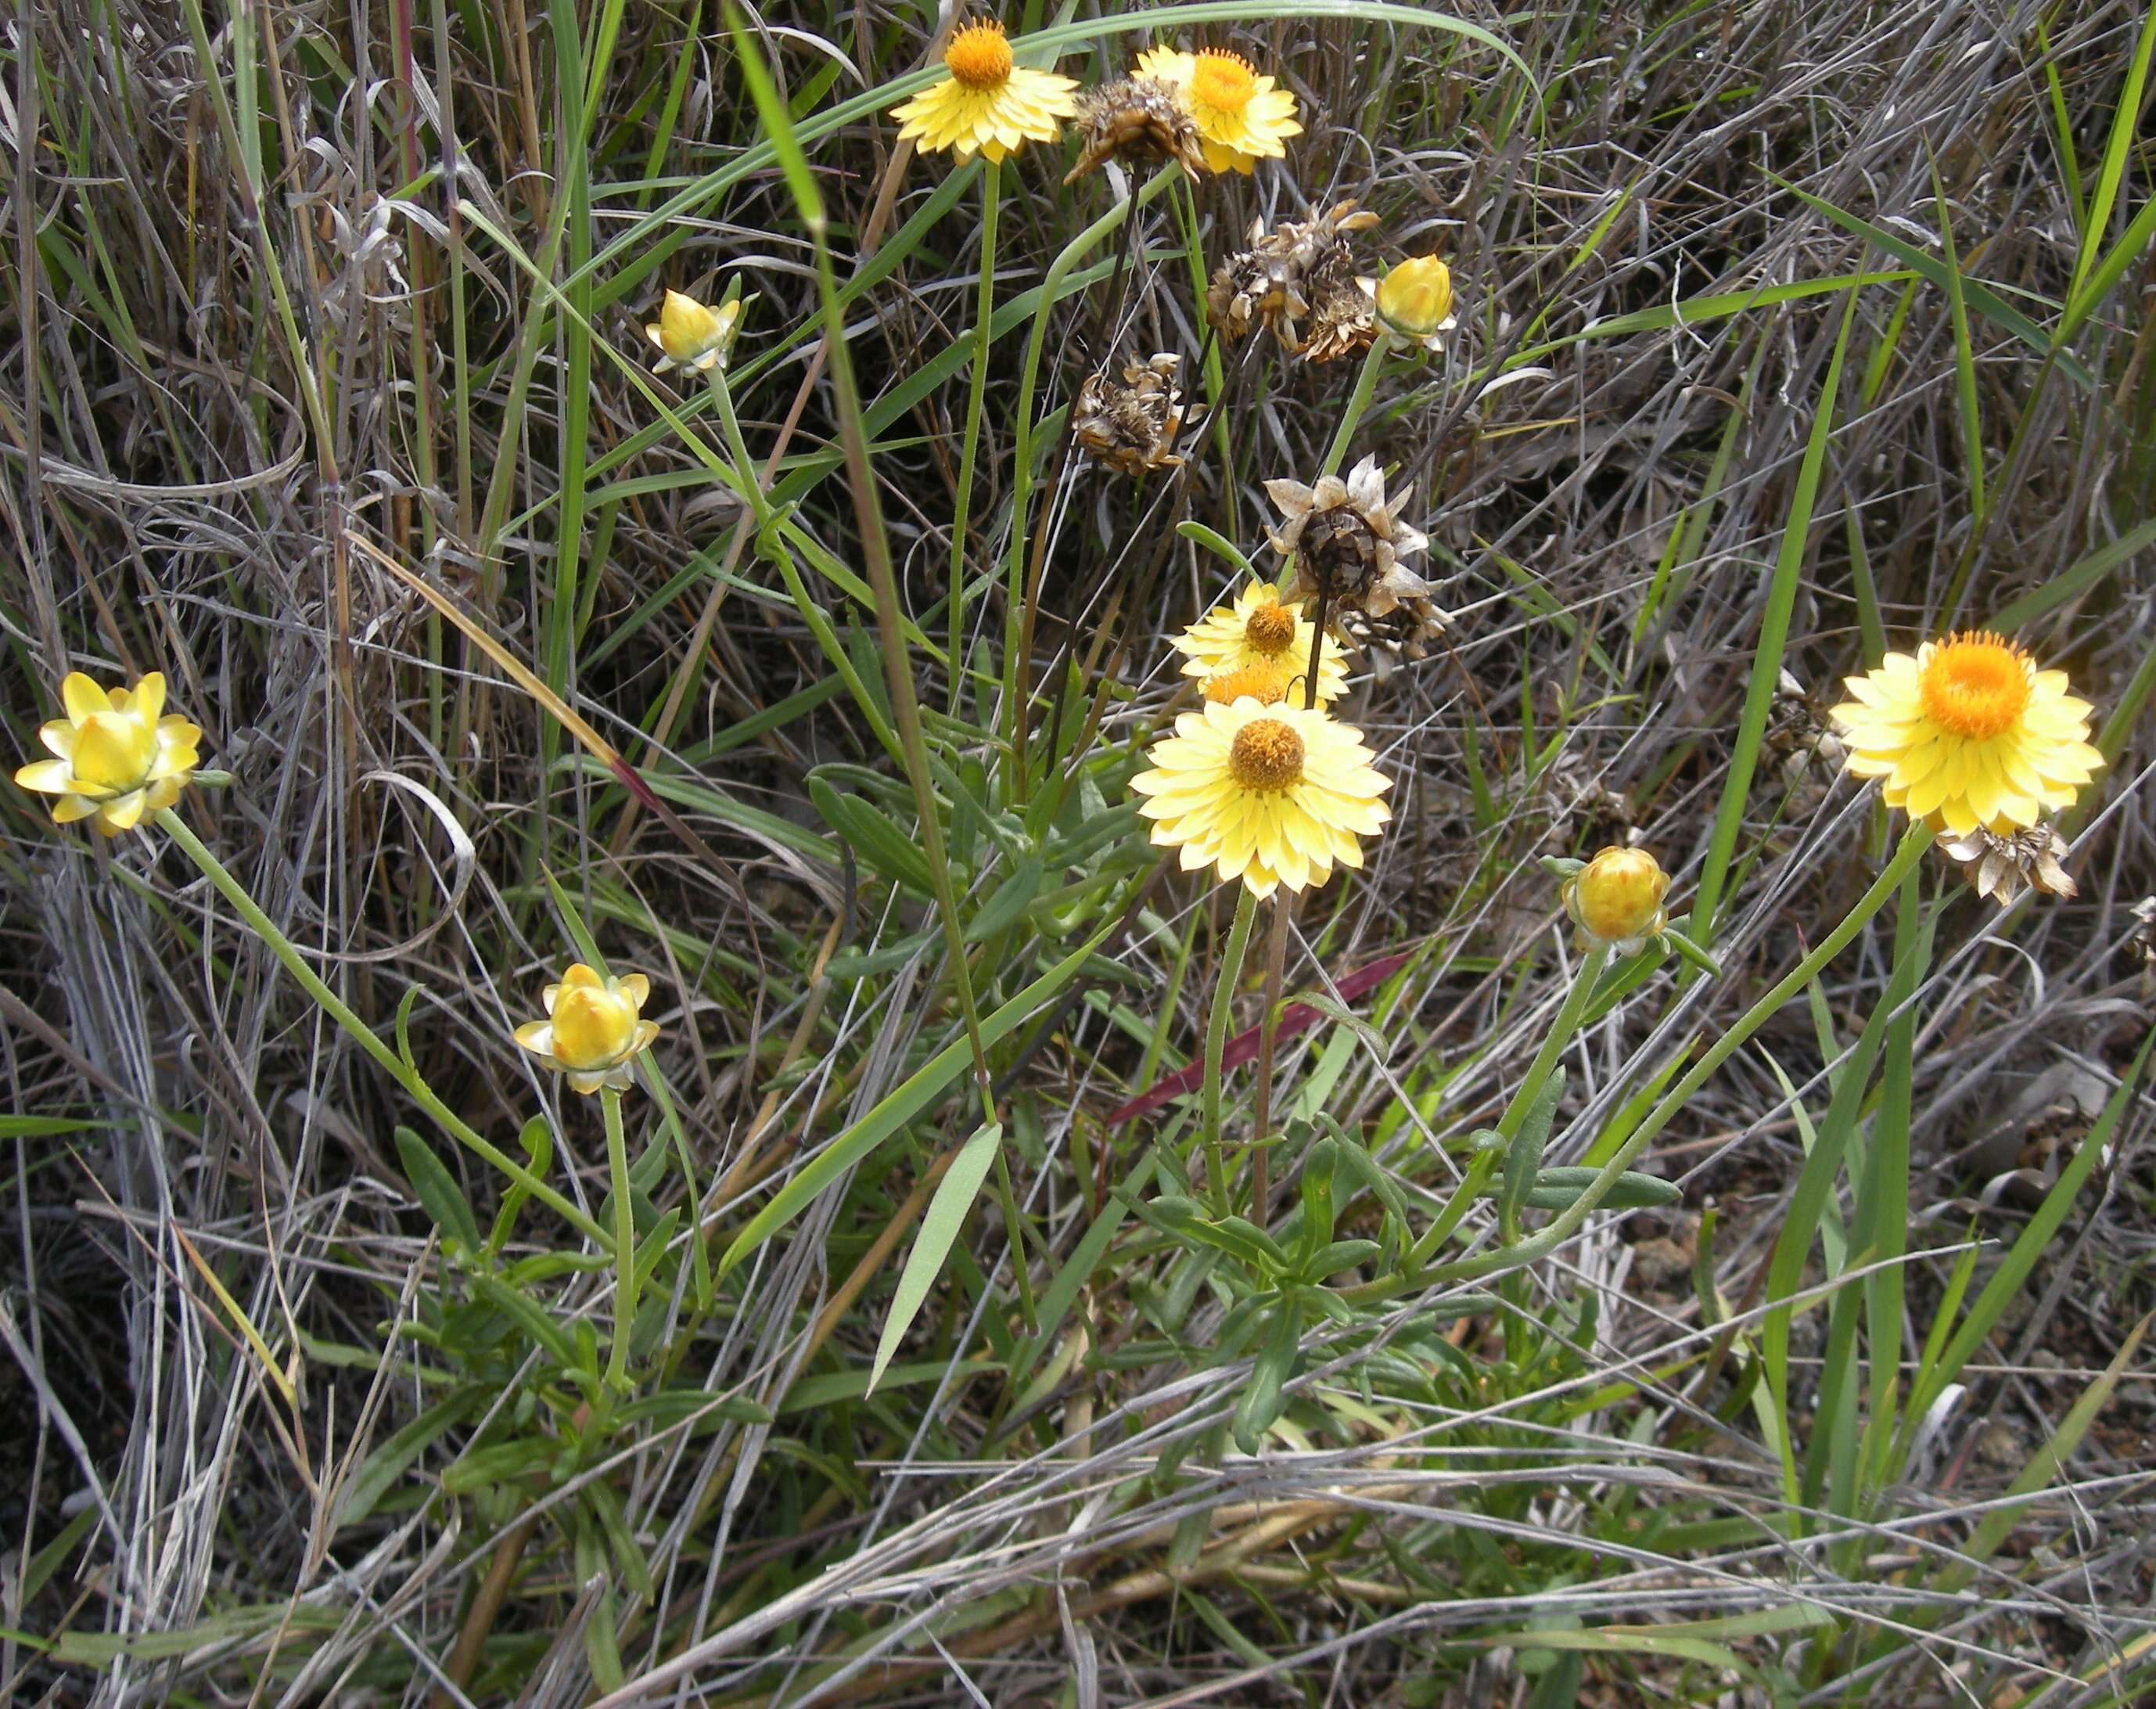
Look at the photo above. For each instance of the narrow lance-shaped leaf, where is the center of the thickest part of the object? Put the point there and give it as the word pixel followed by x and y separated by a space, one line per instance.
pixel 947 1215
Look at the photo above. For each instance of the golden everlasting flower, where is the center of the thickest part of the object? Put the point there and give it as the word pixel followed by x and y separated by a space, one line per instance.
pixel 1266 682
pixel 1260 634
pixel 117 758
pixel 689 335
pixel 988 102
pixel 1415 298
pixel 592 1032
pixel 1242 117
pixel 1968 733
pixel 1616 898
pixel 1271 794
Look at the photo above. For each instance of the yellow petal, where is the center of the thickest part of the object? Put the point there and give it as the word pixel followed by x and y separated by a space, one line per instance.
pixel 48 777
pixel 82 697
pixel 123 815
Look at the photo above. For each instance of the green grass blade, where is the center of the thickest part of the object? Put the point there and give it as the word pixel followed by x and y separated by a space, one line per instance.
pixel 1773 639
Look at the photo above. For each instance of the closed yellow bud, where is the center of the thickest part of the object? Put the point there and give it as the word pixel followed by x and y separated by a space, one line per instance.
pixel 689 335
pixel 1415 298
pixel 1616 898
pixel 593 1028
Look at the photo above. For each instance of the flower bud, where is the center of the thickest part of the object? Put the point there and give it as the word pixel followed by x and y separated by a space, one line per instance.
pixel 689 335
pixel 1616 898
pixel 1415 298
pixel 593 1028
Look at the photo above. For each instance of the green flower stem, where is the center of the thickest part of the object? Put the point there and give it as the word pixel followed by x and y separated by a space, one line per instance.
pixel 752 493
pixel 1562 1029
pixel 331 1005
pixel 1268 1038
pixel 1216 1046
pixel 1014 1231
pixel 1914 842
pixel 624 1242
pixel 1359 401
pixel 978 380
pixel 1050 292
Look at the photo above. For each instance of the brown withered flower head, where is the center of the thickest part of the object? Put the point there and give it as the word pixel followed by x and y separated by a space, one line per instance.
pixel 1347 542
pixel 1131 425
pixel 1141 121
pixel 1343 319
pixel 2142 939
pixel 2001 867
pixel 1303 271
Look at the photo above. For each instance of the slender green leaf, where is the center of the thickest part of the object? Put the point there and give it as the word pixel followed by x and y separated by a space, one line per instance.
pixel 945 1216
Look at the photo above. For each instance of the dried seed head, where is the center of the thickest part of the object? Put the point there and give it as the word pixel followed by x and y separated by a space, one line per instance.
pixel 2142 939
pixel 1304 269
pixel 1140 121
pixel 1131 425
pixel 1343 321
pixel 2001 868
pixel 1347 541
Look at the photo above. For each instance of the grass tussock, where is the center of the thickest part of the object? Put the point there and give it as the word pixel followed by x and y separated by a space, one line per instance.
pixel 1045 1225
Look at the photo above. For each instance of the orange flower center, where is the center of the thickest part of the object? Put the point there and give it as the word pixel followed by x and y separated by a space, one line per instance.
pixel 1266 683
pixel 1223 81
pixel 1269 629
pixel 978 56
pixel 1975 685
pixel 1265 754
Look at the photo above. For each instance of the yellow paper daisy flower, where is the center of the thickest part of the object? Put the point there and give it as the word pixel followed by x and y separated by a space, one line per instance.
pixel 118 759
pixel 988 102
pixel 1259 632
pixel 1271 794
pixel 1243 116
pixel 593 1032
pixel 1968 733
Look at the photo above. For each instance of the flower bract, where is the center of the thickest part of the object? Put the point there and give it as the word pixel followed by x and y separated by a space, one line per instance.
pixel 990 103
pixel 1967 732
pixel 1274 795
pixel 1262 634
pixel 117 758
pixel 593 1031
pixel 1243 116
pixel 1616 898
pixel 691 335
